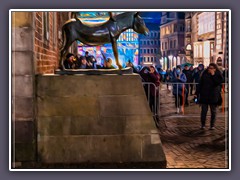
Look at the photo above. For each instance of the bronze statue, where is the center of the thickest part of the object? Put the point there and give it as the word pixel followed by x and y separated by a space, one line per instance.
pixel 107 32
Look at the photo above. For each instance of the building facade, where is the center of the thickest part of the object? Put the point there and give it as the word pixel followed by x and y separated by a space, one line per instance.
pixel 36 40
pixel 206 38
pixel 172 34
pixel 149 46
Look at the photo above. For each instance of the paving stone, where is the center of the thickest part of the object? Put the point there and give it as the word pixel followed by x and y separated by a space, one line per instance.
pixel 184 144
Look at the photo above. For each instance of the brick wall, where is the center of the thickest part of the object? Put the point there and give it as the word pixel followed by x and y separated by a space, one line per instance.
pixel 47 48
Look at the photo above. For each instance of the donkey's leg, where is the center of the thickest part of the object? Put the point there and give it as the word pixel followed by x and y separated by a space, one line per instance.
pixel 115 51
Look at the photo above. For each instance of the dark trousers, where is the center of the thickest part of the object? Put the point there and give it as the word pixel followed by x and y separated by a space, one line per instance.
pixel 204 111
pixel 191 89
pixel 187 88
pixel 153 103
pixel 178 100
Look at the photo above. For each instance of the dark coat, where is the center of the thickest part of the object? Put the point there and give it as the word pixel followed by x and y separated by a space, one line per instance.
pixel 153 78
pixel 209 89
pixel 189 75
pixel 178 84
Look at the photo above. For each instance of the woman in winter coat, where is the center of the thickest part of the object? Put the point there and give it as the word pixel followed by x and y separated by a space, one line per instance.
pixel 209 92
pixel 149 74
pixel 179 90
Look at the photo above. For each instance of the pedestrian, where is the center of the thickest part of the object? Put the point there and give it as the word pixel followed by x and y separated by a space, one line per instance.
pixel 69 62
pixel 168 77
pixel 189 77
pixel 209 93
pixel 196 75
pixel 130 64
pixel 149 74
pixel 179 90
pixel 91 60
pixel 191 80
pixel 84 64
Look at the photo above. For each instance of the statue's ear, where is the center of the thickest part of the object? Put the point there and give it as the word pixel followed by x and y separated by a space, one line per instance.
pixel 136 14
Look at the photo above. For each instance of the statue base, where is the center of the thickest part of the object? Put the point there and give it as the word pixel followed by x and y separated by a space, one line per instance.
pixel 127 70
pixel 92 121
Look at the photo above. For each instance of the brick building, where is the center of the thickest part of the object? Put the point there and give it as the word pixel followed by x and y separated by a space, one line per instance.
pixel 36 40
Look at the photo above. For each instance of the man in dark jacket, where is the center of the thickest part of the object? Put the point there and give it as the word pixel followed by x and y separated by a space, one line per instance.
pixel 69 62
pixel 189 77
pixel 209 92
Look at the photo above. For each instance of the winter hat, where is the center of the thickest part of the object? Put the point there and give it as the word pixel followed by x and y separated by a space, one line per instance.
pixel 69 55
pixel 201 65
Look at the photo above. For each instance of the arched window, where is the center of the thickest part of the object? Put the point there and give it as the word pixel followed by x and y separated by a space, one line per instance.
pixel 189 47
pixel 219 61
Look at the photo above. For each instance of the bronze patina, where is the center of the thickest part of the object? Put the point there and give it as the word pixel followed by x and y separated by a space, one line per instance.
pixel 107 32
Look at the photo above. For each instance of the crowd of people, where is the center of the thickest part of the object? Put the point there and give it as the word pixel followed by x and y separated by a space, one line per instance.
pixel 86 61
pixel 202 83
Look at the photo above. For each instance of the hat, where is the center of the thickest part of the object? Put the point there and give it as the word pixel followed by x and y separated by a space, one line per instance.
pixel 69 55
pixel 201 65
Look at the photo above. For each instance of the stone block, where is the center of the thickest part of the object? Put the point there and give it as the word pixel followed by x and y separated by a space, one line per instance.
pixel 22 63
pixel 139 124
pixel 68 106
pixel 23 132
pixel 22 108
pixel 22 39
pixel 24 152
pixel 55 85
pixel 22 86
pixel 123 105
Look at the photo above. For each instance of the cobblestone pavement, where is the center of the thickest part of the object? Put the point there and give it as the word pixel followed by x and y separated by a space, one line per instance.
pixel 184 144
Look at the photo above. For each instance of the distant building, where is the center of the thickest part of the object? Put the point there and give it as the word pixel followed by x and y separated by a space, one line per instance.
pixel 206 37
pixel 172 30
pixel 149 46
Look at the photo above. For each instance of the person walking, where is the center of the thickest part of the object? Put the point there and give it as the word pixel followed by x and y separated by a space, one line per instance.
pixel 189 77
pixel 209 93
pixel 150 74
pixel 179 90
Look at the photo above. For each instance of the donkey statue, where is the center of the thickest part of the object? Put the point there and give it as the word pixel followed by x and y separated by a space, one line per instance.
pixel 99 34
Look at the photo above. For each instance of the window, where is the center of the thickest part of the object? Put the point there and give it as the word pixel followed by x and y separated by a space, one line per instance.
pixel 200 51
pixel 171 44
pixel 174 43
pixel 189 47
pixel 165 45
pixel 46 25
pixel 54 28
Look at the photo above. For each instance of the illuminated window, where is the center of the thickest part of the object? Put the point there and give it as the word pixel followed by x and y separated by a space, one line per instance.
pixel 206 22
pixel 200 51
pixel 189 47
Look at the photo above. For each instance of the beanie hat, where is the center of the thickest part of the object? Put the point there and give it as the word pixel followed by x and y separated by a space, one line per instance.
pixel 69 55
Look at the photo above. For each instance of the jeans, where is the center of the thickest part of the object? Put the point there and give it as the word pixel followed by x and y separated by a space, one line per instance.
pixel 204 111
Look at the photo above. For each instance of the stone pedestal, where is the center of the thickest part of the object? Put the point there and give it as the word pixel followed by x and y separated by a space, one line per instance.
pixel 95 119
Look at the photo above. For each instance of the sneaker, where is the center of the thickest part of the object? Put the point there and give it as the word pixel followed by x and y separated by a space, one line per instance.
pixel 202 127
pixel 211 128
pixel 177 110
